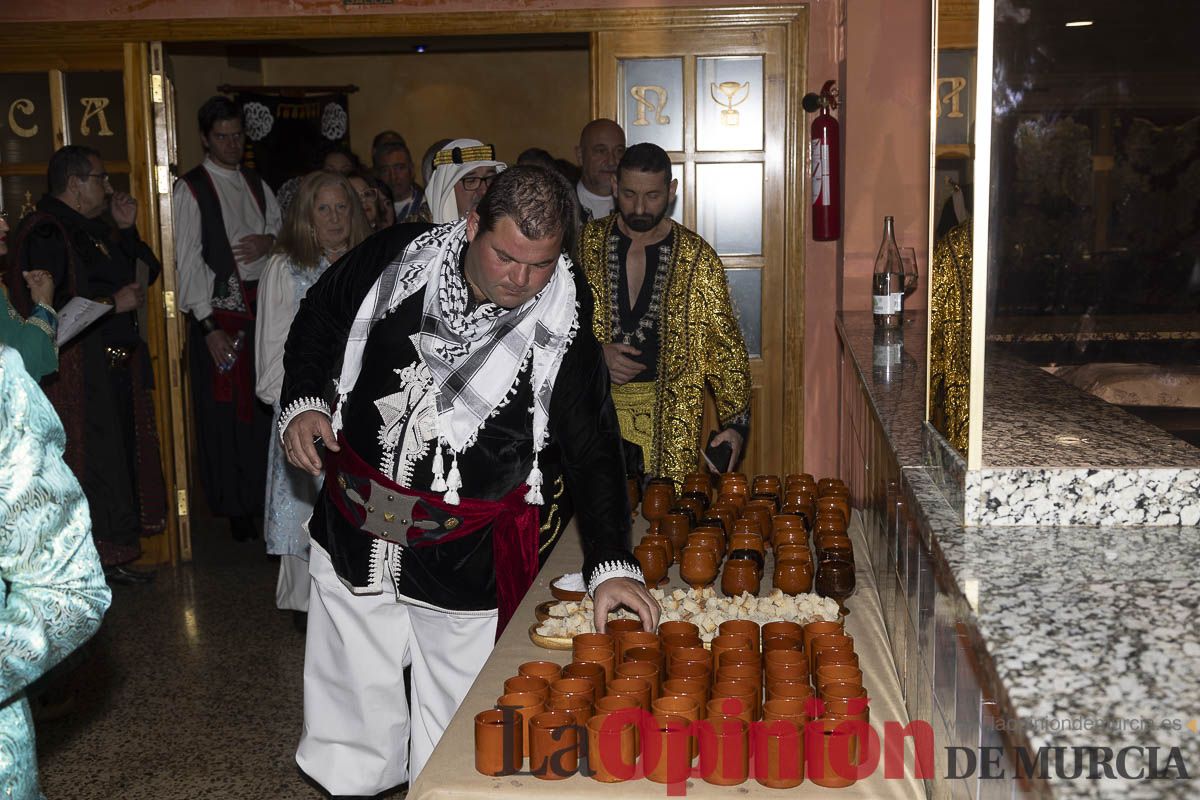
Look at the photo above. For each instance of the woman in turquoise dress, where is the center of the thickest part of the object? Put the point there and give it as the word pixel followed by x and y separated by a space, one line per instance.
pixel 325 220
pixel 33 338
pixel 52 589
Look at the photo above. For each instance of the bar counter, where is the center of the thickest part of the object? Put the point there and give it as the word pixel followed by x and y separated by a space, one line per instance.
pixel 1020 637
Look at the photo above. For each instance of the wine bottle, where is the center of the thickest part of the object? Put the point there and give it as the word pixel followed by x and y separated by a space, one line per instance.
pixel 887 292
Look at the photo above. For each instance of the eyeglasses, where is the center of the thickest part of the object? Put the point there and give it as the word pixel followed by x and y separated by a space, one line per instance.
pixel 368 194
pixel 103 176
pixel 471 182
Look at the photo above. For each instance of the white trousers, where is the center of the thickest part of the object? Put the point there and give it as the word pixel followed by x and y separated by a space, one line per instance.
pixel 360 736
pixel 291 589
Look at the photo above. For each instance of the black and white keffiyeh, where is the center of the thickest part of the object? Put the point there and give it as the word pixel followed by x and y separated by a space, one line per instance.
pixel 473 354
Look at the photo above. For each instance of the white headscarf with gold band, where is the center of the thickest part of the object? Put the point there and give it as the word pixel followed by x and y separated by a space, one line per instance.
pixel 450 169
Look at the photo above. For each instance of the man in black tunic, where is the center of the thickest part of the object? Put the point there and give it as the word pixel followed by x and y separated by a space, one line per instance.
pixel 465 363
pixel 102 388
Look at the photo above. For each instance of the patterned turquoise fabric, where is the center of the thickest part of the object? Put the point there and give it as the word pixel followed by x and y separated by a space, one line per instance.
pixel 52 589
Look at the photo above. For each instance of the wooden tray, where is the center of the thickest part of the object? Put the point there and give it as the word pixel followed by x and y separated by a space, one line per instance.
pixel 548 642
pixel 542 611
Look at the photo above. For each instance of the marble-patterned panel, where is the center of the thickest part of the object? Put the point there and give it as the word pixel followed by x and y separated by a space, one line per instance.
pixel 947 466
pixel 1083 497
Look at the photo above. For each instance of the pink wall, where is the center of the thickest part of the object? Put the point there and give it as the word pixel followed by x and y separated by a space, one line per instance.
pixel 878 50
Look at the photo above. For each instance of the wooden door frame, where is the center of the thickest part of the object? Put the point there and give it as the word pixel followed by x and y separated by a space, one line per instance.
pixel 35 40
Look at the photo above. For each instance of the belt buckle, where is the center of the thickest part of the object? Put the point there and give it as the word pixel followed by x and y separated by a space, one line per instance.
pixel 389 514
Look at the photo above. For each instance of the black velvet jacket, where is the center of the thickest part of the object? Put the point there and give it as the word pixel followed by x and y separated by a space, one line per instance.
pixel 583 454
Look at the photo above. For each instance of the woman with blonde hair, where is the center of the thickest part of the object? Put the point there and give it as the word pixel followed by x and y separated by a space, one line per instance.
pixel 325 220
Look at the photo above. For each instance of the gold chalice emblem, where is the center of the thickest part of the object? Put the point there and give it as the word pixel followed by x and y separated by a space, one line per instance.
pixel 731 90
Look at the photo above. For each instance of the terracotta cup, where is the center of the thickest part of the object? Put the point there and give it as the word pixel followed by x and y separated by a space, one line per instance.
pixel 724 751
pixel 653 560
pixel 766 483
pixel 694 503
pixel 842 691
pixel 827 483
pixel 727 513
pixel 554 746
pixel 778 753
pixel 829 522
pixel 671 627
pixel 612 703
pixel 673 641
pixel 837 656
pixel 524 683
pixel 831 753
pixel 612 748
pixel 805 477
pixel 582 641
pixel 819 628
pixel 791 536
pixel 747 541
pixel 651 655
pixel 675 527
pixel 666 748
pixel 589 671
pixel 789 689
pixel 728 641
pixel 499 748
pixel 694 690
pixel 761 510
pixel 699 484
pixel 793 577
pixel 838 673
pixel 792 551
pixel 617 628
pixel 785 665
pixel 647 671
pixel 741 691
pixel 657 499
pixel 832 641
pixel 681 705
pixel 782 643
pixel 782 628
pixel 710 538
pixel 698 566
pixel 834 541
pixel 743 627
pixel 634 639
pixel 574 687
pixel 835 503
pixel 739 576
pixel 598 655
pixel 854 709
pixel 664 543
pixel 728 479
pixel 575 705
pixel 683 655
pixel 749 674
pixel 700 672
pixel 636 688
pixel 547 670
pixel 748 523
pixel 787 708
pixel 527 706
pixel 738 658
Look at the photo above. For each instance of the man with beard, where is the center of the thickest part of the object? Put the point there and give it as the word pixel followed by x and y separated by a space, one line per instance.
pixel 665 320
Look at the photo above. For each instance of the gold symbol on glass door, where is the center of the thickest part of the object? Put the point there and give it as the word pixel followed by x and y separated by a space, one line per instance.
pixel 639 94
pixel 731 89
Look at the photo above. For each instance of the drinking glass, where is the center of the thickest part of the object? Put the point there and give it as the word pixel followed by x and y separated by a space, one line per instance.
pixel 908 257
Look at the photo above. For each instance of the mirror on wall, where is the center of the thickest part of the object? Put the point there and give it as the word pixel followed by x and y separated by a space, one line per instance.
pixel 953 180
pixel 1094 202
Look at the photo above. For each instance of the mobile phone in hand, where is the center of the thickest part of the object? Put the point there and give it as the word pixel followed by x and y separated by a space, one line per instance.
pixel 720 455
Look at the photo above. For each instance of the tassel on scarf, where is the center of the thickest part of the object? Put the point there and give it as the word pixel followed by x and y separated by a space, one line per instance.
pixel 453 483
pixel 439 480
pixel 534 480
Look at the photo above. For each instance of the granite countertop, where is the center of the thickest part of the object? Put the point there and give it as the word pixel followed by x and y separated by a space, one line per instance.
pixel 1079 625
pixel 900 401
pixel 1034 419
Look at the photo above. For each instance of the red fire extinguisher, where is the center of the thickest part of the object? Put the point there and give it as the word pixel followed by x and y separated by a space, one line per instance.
pixel 826 161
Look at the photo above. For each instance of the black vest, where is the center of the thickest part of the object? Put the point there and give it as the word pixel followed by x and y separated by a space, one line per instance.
pixel 214 243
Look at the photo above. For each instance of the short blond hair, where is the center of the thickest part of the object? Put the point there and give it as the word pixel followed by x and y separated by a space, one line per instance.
pixel 298 237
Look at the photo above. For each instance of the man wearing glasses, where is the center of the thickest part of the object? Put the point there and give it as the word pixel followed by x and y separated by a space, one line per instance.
pixel 462 172
pixel 225 221
pixel 84 234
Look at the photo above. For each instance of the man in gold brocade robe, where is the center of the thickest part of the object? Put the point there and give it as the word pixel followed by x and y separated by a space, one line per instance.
pixel 665 320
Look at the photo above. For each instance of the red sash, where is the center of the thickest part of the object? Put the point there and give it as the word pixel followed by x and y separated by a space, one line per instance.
pixel 514 522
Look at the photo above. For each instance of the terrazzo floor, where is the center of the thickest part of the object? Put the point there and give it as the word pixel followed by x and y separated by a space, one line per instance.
pixel 192 689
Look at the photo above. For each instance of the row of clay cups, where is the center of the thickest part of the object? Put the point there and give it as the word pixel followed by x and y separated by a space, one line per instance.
pixel 629 743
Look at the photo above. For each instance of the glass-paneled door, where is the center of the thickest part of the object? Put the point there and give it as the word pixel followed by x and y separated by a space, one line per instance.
pixel 100 97
pixel 716 100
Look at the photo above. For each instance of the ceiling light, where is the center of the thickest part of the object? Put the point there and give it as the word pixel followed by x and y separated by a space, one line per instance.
pixel 1080 23
pixel 420 48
